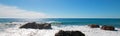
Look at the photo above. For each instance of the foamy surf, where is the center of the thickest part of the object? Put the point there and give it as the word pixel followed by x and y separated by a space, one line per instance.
pixel 15 31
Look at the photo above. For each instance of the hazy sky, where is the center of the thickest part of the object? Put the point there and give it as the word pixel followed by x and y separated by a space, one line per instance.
pixel 60 8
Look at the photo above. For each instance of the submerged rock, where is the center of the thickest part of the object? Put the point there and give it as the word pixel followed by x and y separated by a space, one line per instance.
pixel 93 26
pixel 69 33
pixel 34 25
pixel 105 27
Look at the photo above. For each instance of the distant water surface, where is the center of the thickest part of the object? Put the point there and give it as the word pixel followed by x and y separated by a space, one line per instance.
pixel 69 21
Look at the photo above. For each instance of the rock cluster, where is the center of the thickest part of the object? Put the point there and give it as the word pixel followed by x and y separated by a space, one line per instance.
pixel 69 33
pixel 104 27
pixel 34 25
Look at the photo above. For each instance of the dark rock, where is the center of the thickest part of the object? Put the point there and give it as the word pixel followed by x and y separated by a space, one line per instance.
pixel 69 33
pixel 105 27
pixel 34 25
pixel 94 26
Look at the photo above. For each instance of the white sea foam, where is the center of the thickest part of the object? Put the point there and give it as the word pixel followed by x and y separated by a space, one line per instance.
pixel 15 31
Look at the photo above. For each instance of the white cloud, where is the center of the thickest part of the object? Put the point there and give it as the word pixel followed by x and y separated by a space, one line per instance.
pixel 15 12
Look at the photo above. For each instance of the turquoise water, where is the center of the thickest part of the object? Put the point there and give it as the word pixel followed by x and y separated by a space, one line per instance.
pixel 69 21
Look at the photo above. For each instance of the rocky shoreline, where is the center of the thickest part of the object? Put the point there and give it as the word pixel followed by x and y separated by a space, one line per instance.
pixel 46 29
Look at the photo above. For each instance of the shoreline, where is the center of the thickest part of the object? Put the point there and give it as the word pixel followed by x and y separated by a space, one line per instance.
pixel 51 32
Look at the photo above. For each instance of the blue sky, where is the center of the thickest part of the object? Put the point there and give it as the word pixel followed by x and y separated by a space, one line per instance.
pixel 69 8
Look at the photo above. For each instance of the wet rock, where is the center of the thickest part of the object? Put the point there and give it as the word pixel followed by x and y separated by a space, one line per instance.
pixel 69 33
pixel 34 25
pixel 105 27
pixel 94 26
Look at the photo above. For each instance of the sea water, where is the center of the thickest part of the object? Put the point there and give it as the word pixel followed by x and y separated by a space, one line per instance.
pixel 10 26
pixel 68 21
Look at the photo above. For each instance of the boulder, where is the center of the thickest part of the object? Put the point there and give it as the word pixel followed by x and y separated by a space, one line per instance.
pixel 93 26
pixel 69 33
pixel 105 27
pixel 34 25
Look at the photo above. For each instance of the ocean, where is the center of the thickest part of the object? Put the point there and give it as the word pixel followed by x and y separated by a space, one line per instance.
pixel 69 21
pixel 10 26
